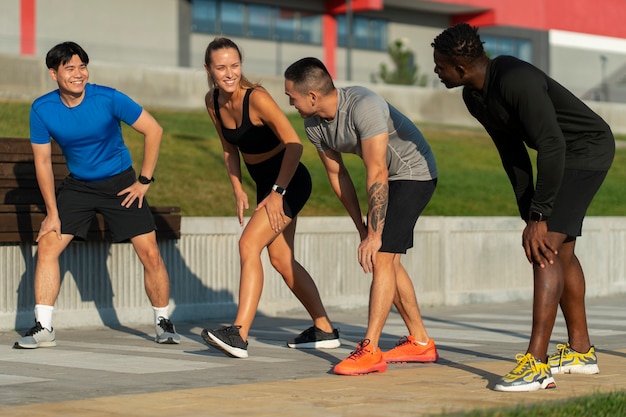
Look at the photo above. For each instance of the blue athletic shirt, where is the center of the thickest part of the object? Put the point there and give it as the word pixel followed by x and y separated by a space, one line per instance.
pixel 90 134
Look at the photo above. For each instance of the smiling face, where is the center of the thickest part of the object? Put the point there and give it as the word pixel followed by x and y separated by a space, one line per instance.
pixel 225 69
pixel 71 77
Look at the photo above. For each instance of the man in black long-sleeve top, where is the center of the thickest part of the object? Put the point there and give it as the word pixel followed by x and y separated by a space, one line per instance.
pixel 519 106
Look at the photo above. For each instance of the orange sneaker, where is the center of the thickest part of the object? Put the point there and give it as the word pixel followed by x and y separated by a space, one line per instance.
pixel 408 350
pixel 363 360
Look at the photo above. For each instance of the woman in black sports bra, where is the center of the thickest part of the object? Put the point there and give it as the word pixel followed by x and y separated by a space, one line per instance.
pixel 250 123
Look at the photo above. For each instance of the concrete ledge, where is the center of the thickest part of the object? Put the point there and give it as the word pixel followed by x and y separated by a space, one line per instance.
pixel 455 261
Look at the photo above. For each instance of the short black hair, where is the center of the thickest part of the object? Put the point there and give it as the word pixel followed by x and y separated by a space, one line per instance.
pixel 459 41
pixel 62 53
pixel 310 74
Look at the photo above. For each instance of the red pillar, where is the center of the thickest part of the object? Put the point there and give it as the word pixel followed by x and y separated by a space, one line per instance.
pixel 329 28
pixel 27 27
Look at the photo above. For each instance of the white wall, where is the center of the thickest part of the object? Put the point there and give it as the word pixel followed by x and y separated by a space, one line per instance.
pixel 575 60
pixel 455 261
pixel 10 26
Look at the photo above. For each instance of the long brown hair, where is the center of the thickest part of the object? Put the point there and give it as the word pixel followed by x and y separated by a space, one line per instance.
pixel 224 43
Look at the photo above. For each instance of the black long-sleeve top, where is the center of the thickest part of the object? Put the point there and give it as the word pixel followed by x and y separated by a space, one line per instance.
pixel 519 104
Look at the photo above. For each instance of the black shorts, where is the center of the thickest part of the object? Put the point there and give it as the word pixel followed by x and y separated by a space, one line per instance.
pixel 299 189
pixel 79 201
pixel 573 199
pixel 407 200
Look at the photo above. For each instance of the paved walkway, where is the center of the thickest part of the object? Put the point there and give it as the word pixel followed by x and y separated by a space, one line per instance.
pixel 122 372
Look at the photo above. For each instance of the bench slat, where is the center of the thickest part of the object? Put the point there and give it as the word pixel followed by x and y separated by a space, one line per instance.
pixel 168 227
pixel 21 204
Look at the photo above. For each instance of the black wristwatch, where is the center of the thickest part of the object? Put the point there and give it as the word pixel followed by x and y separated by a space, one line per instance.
pixel 145 180
pixel 280 190
pixel 537 216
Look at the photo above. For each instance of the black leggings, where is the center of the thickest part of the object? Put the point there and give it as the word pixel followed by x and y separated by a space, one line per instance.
pixel 299 188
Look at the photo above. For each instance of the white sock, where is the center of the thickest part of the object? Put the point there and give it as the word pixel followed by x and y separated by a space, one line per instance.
pixel 160 312
pixel 43 314
pixel 422 343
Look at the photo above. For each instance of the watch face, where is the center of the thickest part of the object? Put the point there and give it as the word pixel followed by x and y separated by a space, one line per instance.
pixel 536 216
pixel 280 190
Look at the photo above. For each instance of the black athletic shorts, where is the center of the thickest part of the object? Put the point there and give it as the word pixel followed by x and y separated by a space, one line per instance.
pixel 407 200
pixel 299 189
pixel 573 199
pixel 79 201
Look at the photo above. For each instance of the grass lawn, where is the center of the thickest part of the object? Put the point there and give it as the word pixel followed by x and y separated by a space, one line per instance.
pixel 191 172
pixel 611 404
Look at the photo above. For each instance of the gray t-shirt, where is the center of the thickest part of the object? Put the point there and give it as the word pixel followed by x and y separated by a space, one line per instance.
pixel 362 114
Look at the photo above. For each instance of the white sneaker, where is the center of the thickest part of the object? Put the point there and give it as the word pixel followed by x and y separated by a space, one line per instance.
pixel 36 337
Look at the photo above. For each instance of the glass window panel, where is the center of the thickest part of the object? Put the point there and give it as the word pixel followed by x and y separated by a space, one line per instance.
pixel 310 29
pixel 360 33
pixel 525 51
pixel 505 46
pixel 232 18
pixel 489 44
pixel 286 25
pixel 260 21
pixel 204 15
pixel 366 33
pixel 342 30
pixel 519 48
pixel 378 38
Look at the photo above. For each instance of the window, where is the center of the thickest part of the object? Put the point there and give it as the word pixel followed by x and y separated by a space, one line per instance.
pixel 366 33
pixel 204 16
pixel 499 45
pixel 231 18
pixel 286 29
pixel 260 21
pixel 255 21
pixel 310 28
pixel 379 42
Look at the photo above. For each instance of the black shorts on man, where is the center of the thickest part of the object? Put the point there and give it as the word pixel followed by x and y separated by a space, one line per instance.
pixel 578 188
pixel 407 200
pixel 79 201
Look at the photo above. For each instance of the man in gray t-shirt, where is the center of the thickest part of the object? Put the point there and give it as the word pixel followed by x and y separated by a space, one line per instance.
pixel 401 178
pixel 362 114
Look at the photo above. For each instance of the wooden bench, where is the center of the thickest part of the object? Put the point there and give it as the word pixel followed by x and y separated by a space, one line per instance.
pixel 22 207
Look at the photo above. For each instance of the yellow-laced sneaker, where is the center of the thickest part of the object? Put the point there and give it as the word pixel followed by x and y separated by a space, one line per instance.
pixel 567 361
pixel 529 375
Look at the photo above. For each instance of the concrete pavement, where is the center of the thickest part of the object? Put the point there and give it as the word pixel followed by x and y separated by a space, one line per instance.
pixel 122 372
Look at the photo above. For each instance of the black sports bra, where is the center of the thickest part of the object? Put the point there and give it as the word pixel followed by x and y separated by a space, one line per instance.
pixel 247 137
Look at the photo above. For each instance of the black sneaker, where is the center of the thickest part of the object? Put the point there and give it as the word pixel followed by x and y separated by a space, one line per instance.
pixel 314 338
pixel 227 340
pixel 166 333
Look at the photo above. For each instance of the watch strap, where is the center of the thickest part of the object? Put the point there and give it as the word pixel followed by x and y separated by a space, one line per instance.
pixel 536 216
pixel 278 189
pixel 145 180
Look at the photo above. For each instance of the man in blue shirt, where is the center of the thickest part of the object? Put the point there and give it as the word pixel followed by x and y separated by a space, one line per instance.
pixel 84 119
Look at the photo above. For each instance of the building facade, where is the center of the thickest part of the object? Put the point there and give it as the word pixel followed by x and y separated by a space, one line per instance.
pixel 581 43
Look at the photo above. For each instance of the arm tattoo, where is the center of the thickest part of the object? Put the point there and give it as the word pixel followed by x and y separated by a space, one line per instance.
pixel 378 200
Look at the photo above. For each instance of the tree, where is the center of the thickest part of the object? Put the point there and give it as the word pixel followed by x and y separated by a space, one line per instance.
pixel 405 72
